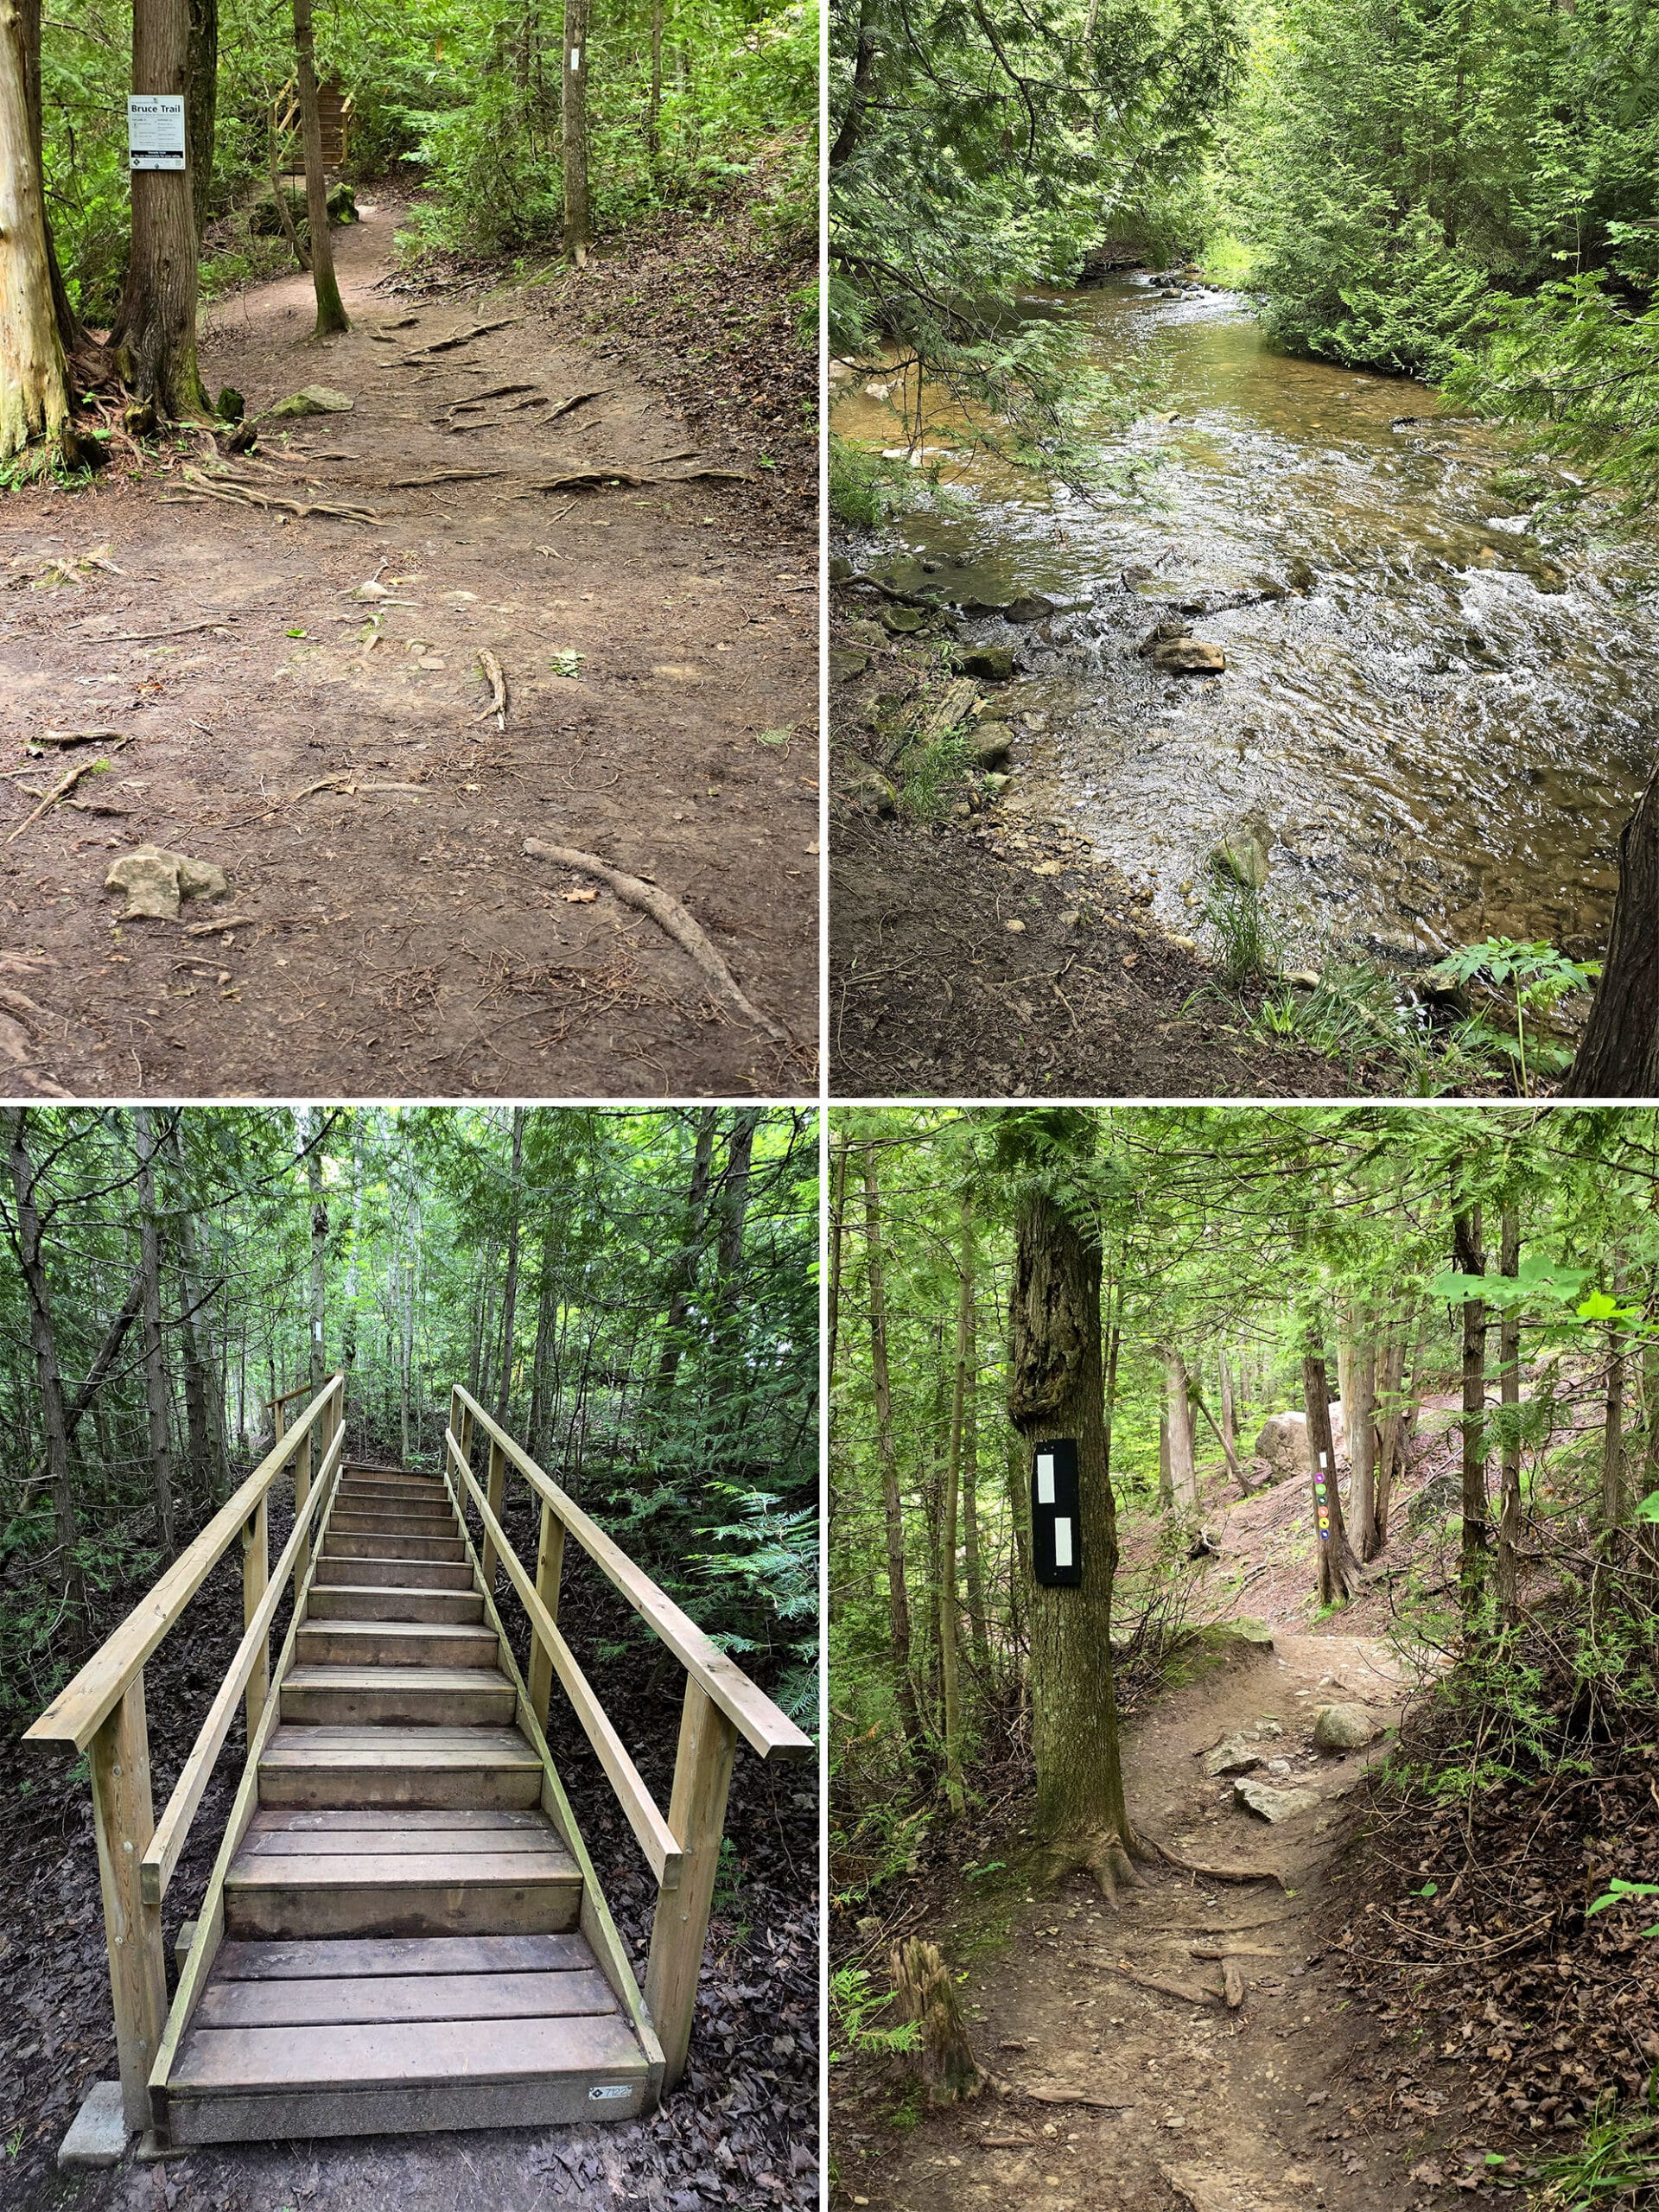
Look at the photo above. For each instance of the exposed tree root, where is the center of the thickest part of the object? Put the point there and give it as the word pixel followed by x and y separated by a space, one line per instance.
pixel 669 915
pixel 1211 1869
pixel 1109 1858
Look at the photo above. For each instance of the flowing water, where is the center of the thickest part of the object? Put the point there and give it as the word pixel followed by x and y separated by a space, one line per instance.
pixel 1440 717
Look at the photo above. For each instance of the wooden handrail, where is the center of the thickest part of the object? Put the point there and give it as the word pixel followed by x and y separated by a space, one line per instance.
pixel 156 1868
pixel 652 1831
pixel 82 1707
pixel 751 1711
pixel 721 1703
pixel 102 1710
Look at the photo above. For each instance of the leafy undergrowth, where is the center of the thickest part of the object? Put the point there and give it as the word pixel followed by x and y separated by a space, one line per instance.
pixel 1515 2021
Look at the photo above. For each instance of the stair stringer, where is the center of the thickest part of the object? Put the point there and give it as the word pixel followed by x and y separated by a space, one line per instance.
pixel 595 1921
pixel 210 1918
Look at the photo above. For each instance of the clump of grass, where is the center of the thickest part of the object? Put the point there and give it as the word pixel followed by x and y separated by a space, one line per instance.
pixel 1357 1009
pixel 1618 2162
pixel 933 775
pixel 1246 945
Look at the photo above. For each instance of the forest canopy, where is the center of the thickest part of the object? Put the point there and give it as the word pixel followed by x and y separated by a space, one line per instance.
pixel 633 1296
pixel 1466 193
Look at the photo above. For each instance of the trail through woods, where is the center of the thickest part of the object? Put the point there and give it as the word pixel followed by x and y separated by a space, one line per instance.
pixel 345 759
pixel 1179 2106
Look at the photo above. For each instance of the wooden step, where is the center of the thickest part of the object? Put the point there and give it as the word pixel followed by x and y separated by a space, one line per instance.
pixel 376 1602
pixel 384 1543
pixel 396 1880
pixel 388 1480
pixel 396 1643
pixel 394 1573
pixel 374 1696
pixel 425 1522
pixel 422 1767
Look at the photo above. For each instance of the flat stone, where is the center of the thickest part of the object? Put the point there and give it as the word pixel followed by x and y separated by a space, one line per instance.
pixel 991 664
pixel 1033 607
pixel 97 2135
pixel 901 621
pixel 1274 1805
pixel 1235 1756
pixel 315 399
pixel 156 880
pixel 844 665
pixel 1344 1728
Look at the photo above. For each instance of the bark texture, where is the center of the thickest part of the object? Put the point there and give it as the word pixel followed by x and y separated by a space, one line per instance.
pixel 1056 1389
pixel 153 341
pixel 34 379
pixel 578 218
pixel 331 314
pixel 1618 1054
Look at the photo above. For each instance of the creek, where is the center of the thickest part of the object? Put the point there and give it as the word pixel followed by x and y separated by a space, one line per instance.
pixel 1437 712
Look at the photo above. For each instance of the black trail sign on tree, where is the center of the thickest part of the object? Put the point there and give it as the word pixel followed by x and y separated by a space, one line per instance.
pixel 1056 1534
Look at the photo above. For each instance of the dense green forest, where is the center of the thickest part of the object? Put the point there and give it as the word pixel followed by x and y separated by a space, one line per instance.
pixel 521 131
pixel 633 1295
pixel 1462 191
pixel 1365 1373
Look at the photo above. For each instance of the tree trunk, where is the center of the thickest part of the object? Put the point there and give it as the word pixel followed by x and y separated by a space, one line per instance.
pixel 1509 1356
pixel 684 1278
pixel 153 341
pixel 1339 1568
pixel 541 1394
pixel 654 106
pixel 1229 1417
pixel 1361 1414
pixel 279 190
pixel 949 1614
pixel 200 105
pixel 315 1310
pixel 1056 1389
pixel 1618 1053
pixel 205 1435
pixel 1235 1472
pixel 832 1317
pixel 510 1287
pixel 43 1340
pixel 34 376
pixel 972 1564
pixel 331 314
pixel 578 220
pixel 1183 1474
pixel 1394 1425
pixel 1616 1506
pixel 898 1594
pixel 155 1392
pixel 1470 1260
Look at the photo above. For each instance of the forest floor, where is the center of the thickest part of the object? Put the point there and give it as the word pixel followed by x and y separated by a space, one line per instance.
pixel 1155 2102
pixel 740 2130
pixel 335 756
pixel 991 953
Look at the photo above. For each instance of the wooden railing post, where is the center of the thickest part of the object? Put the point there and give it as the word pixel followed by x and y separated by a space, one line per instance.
pixel 124 1819
pixel 696 1813
pixel 549 1562
pixel 493 1484
pixel 304 1460
pixel 255 1574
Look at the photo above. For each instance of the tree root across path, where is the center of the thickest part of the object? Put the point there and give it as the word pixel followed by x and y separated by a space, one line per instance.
pixel 1109 1857
pixel 668 914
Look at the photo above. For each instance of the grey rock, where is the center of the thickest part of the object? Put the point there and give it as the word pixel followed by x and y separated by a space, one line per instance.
pixel 315 399
pixel 1344 1728
pixel 845 665
pixel 154 882
pixel 840 568
pixel 1235 1756
pixel 1274 1805
pixel 97 2134
pixel 870 788
pixel 991 664
pixel 992 744
pixel 1032 608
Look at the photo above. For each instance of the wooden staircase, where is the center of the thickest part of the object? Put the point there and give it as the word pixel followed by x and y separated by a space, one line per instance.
pixel 403 1930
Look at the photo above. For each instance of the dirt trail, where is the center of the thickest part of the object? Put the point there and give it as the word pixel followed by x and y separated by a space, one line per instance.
pixel 368 812
pixel 1205 2109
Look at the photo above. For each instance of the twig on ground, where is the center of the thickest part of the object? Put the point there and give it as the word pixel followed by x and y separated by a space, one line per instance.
pixel 62 787
pixel 498 683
